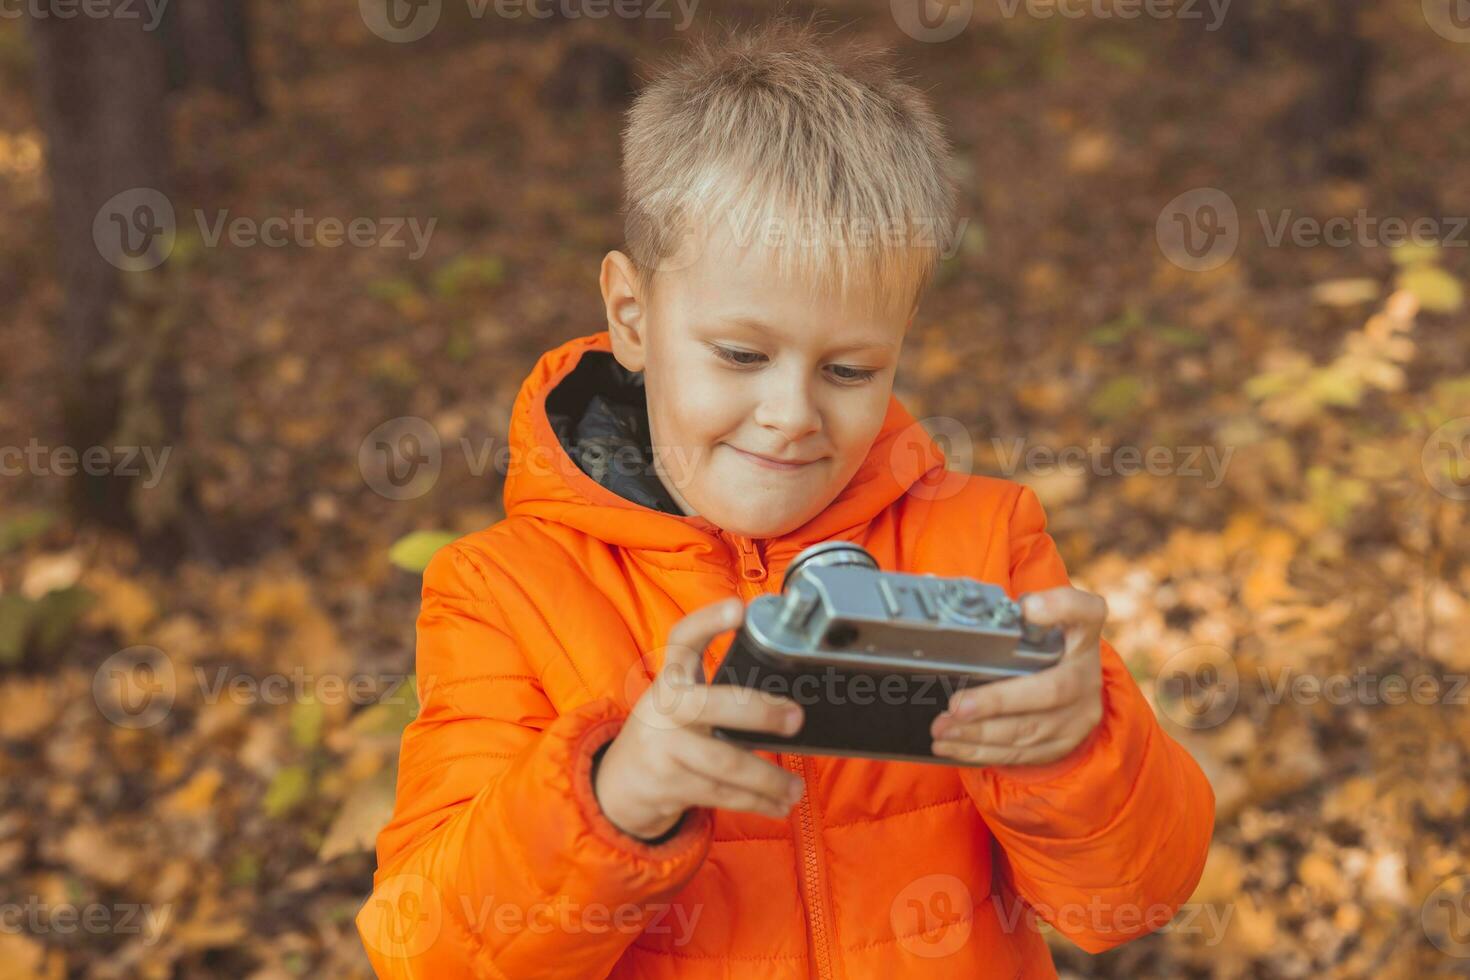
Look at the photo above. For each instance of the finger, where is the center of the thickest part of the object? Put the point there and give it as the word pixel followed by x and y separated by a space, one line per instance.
pixel 738 768
pixel 1046 690
pixel 681 704
pixel 690 635
pixel 1032 728
pixel 1067 607
pixel 732 706
pixel 705 789
pixel 1005 755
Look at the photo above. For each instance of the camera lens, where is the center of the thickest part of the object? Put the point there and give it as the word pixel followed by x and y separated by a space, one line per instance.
pixel 828 553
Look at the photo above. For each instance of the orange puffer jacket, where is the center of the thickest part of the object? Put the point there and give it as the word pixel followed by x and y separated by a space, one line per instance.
pixel 538 633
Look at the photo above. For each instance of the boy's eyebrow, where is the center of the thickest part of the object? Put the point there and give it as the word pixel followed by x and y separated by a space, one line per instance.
pixel 760 326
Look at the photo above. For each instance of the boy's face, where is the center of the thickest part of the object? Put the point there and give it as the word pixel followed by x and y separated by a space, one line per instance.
pixel 740 364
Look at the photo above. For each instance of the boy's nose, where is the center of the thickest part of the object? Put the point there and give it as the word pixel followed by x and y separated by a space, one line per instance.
pixel 790 412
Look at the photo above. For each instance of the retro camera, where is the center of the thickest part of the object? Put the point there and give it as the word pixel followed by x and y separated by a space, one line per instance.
pixel 873 656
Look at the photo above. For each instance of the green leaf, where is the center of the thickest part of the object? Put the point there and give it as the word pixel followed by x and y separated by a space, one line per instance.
pixel 392 290
pixel 286 791
pixel 1118 397
pixel 306 723
pixel 1332 386
pixel 1414 253
pixel 391 715
pixel 56 615
pixel 16 531
pixel 1180 336
pixel 1118 52
pixel 413 551
pixel 467 273
pixel 245 870
pixel 1437 290
pixel 460 344
pixel 16 613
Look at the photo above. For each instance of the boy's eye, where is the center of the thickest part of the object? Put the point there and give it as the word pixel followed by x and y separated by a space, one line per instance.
pixel 852 375
pixel 841 373
pixel 734 355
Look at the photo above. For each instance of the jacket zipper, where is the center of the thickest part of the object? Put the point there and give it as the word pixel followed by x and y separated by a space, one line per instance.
pixel 753 571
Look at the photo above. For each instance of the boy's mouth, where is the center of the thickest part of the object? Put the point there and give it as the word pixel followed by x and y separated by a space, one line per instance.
pixel 773 464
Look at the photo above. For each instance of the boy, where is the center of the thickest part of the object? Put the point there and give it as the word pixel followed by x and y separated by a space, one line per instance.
pixel 562 808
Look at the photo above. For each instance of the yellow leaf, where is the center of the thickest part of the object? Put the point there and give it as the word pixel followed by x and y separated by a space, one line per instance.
pixel 26 707
pixel 365 811
pixel 1414 253
pixel 1437 290
pixel 51 573
pixel 195 796
pixel 121 603
pixel 1345 292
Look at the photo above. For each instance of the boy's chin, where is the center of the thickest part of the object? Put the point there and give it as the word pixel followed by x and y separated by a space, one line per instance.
pixel 759 522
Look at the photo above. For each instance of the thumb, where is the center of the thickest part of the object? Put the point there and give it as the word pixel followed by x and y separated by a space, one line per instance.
pixel 683 656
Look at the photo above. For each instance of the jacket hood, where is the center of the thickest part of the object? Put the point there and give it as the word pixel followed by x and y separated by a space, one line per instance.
pixel 578 407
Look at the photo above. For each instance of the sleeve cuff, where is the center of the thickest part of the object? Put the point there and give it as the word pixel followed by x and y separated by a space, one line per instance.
pixel 687 836
pixel 663 838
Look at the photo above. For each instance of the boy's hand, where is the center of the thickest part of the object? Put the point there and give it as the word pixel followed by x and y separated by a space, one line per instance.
pixel 665 760
pixel 1028 721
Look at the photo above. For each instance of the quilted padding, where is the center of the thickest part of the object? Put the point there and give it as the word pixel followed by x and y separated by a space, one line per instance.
pixel 536 636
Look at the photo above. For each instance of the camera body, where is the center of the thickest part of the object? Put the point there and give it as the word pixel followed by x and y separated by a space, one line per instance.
pixel 873 656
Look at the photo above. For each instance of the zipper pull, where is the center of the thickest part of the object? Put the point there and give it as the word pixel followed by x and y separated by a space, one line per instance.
pixel 752 568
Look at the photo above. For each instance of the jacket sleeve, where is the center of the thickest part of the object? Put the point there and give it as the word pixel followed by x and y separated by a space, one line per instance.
pixel 498 861
pixel 1107 842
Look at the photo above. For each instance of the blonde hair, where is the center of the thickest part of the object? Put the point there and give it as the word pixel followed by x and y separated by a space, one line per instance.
pixel 775 124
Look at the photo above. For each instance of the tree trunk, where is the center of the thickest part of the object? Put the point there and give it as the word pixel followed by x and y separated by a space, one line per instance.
pixel 100 85
pixel 209 44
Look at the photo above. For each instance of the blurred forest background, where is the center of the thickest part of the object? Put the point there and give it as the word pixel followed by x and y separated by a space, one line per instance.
pixel 1129 268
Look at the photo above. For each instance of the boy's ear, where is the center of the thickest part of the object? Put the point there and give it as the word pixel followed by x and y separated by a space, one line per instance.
pixel 625 320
